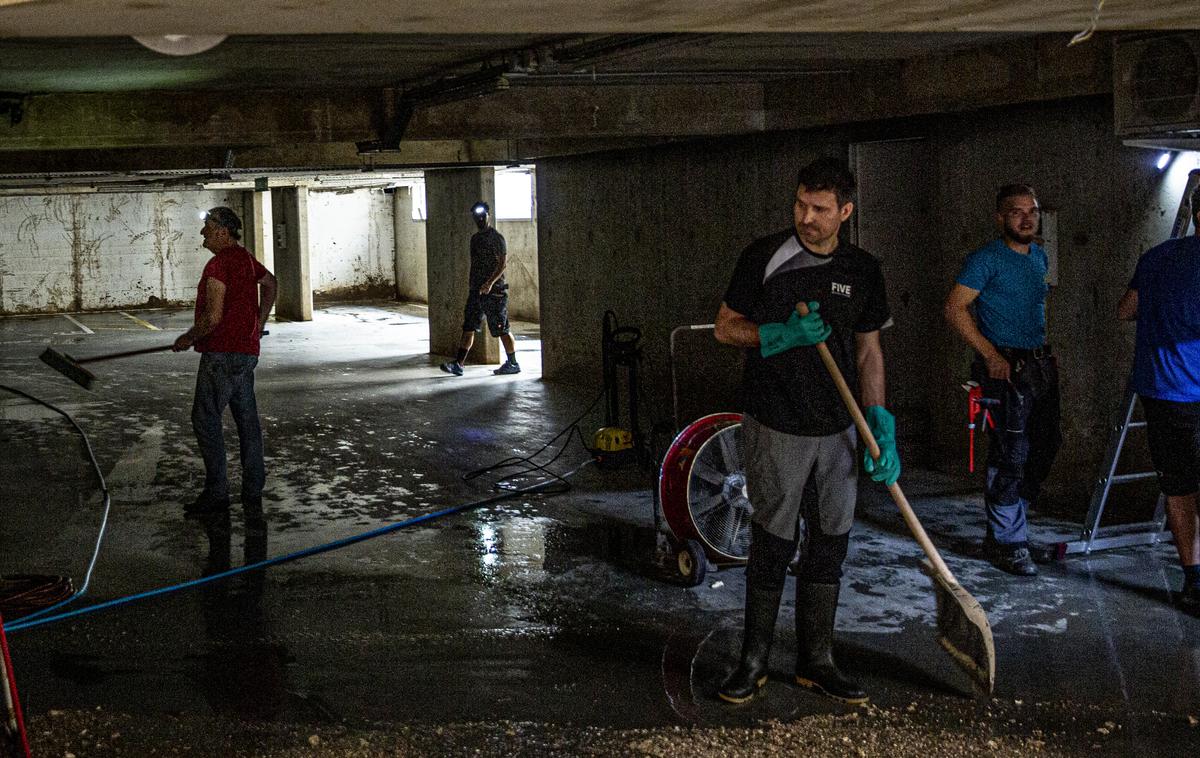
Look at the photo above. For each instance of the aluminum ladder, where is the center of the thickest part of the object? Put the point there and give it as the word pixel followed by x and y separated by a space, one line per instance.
pixel 1094 537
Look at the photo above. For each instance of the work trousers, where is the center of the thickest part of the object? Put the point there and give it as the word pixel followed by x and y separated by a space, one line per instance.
pixel 227 380
pixel 821 557
pixel 1023 442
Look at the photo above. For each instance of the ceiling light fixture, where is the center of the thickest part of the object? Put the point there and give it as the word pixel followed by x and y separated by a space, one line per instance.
pixel 181 44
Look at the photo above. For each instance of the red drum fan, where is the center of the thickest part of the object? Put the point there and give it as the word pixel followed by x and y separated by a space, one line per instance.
pixel 702 490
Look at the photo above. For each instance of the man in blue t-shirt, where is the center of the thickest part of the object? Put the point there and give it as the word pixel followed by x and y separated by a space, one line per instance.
pixel 1164 298
pixel 1006 281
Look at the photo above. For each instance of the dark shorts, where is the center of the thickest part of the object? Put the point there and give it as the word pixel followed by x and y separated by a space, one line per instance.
pixel 493 307
pixel 1173 430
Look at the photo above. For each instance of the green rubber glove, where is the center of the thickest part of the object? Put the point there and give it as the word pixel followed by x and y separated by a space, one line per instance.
pixel 883 426
pixel 797 331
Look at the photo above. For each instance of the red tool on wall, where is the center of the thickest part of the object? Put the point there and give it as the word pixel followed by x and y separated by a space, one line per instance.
pixel 976 402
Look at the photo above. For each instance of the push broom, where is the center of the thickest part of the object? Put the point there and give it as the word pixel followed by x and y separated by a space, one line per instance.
pixel 962 626
pixel 73 369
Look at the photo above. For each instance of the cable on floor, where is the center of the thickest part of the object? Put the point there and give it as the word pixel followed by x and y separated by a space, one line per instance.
pixel 571 431
pixel 509 490
pixel 325 548
pixel 51 589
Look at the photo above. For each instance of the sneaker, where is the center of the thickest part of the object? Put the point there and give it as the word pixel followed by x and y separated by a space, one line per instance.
pixel 206 504
pixel 508 367
pixel 1014 560
pixel 453 367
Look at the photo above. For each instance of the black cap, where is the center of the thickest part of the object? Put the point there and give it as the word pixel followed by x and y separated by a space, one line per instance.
pixel 225 217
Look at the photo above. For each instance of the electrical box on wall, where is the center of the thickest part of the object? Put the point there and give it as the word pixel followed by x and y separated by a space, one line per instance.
pixel 281 235
pixel 1049 242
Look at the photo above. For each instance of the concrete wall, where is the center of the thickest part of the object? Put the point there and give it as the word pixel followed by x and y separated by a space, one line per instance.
pixel 351 241
pixel 412 277
pixel 411 265
pixel 449 196
pixel 654 234
pixel 69 252
pixel 522 273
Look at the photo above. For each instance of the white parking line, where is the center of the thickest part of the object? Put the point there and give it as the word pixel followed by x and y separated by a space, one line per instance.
pixel 82 328
pixel 138 321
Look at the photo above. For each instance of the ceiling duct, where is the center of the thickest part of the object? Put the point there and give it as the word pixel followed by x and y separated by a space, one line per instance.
pixel 1156 86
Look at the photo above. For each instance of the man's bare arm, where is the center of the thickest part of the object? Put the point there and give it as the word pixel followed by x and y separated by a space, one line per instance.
pixel 501 265
pixel 960 319
pixel 207 320
pixel 268 287
pixel 732 328
pixel 868 354
pixel 1127 308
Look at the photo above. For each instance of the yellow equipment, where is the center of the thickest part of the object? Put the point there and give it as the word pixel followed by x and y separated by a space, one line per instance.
pixel 612 439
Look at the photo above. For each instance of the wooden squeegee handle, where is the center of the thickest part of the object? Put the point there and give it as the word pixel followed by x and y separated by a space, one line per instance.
pixel 864 431
pixel 125 354
pixel 142 351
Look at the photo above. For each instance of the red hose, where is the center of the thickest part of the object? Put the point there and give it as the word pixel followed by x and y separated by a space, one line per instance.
pixel 11 685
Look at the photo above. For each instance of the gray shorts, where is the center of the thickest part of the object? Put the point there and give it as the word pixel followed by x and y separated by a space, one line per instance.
pixel 779 465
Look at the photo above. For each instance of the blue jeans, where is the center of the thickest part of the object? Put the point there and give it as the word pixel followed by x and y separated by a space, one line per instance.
pixel 1023 444
pixel 227 379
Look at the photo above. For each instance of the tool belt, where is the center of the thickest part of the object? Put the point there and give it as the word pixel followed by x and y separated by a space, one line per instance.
pixel 1014 354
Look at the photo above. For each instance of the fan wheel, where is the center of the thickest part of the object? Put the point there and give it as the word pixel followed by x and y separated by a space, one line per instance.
pixel 703 488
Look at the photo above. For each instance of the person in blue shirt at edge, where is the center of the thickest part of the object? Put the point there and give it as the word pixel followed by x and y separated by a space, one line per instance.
pixel 1164 298
pixel 796 430
pixel 1006 281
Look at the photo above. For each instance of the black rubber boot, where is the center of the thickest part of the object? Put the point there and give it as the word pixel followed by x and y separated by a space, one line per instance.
pixel 816 609
pixel 762 606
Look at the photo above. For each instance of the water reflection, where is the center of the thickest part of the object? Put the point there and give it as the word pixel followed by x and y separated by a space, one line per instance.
pixel 513 546
pixel 244 672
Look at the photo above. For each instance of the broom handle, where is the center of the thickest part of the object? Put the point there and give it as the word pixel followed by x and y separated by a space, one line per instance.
pixel 126 354
pixel 864 431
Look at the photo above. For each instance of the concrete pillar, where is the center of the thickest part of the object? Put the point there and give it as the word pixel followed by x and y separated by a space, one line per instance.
pixel 449 195
pixel 290 212
pixel 260 228
pixel 409 235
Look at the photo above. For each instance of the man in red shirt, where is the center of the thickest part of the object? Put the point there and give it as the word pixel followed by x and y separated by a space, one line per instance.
pixel 230 315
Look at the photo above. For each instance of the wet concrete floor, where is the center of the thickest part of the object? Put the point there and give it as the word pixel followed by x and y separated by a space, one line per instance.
pixel 537 609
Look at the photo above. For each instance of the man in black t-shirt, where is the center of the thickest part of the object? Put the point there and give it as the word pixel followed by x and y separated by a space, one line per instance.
pixel 488 295
pixel 796 431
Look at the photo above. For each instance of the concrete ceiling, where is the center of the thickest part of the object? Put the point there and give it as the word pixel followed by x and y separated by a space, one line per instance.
pixel 311 83
pixel 322 62
pixel 51 46
pixel 50 18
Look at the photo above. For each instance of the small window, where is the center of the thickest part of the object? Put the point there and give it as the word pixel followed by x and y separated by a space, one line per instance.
pixel 418 201
pixel 514 194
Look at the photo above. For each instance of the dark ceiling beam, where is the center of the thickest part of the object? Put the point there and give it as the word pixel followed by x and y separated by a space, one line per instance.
pixel 663 110
pixel 239 120
pixel 469 79
pixel 1010 73
pixel 591 52
pixel 159 119
pixel 331 155
pixel 1014 72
